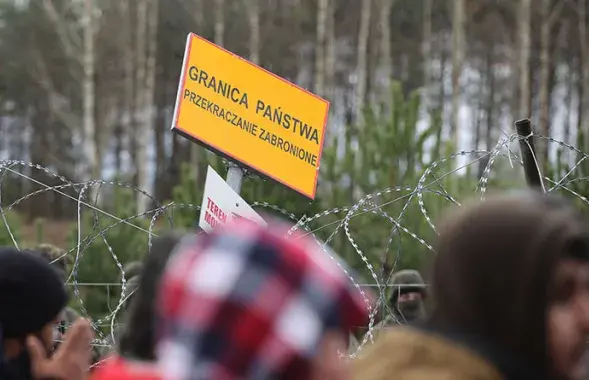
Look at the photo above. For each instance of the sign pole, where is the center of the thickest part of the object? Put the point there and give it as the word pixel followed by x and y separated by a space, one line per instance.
pixel 221 204
pixel 235 176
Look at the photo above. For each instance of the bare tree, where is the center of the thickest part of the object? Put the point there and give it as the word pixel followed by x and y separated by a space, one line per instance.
pixel 549 15
pixel 219 37
pixel 330 52
pixel 524 57
pixel 584 49
pixel 426 51
pixel 80 54
pixel 362 58
pixel 128 49
pixel 386 63
pixel 458 53
pixel 320 45
pixel 148 105
pixel 199 17
pixel 139 152
pixel 88 91
pixel 253 8
pixel 571 79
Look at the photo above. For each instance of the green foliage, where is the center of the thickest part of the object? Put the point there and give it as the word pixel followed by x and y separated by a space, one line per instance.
pixel 190 192
pixel 128 241
pixel 15 223
pixel 385 151
pixel 186 192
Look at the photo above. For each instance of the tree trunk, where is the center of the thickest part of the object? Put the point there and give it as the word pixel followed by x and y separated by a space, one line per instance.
pixel 91 151
pixel 161 135
pixel 584 48
pixel 564 35
pixel 544 78
pixel 140 151
pixel 219 37
pixel 386 63
pixel 442 96
pixel 548 16
pixel 320 45
pixel 426 53
pixel 570 83
pixel 458 51
pixel 362 59
pixel 330 52
pixel 199 17
pixel 254 24
pixel 147 108
pixel 129 49
pixel 524 58
pixel 581 95
pixel 38 205
pixel 373 79
pixel 491 85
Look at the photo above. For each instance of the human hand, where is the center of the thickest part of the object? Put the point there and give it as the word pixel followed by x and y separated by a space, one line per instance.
pixel 72 359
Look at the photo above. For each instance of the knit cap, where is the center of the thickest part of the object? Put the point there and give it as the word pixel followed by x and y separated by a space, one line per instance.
pixel 31 293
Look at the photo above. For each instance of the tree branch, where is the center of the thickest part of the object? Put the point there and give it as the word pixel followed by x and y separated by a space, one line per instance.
pixel 555 13
pixel 57 102
pixel 58 23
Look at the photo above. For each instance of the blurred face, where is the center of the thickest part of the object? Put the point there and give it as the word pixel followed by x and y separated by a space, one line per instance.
pixel 568 318
pixel 410 296
pixel 410 306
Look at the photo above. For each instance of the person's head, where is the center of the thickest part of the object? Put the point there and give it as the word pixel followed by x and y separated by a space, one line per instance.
pixel 137 340
pixel 408 295
pixel 515 270
pixel 245 302
pixel 56 256
pixel 133 269
pixel 132 272
pixel 130 291
pixel 31 298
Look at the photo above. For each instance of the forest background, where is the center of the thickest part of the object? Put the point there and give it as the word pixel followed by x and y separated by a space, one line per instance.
pixel 87 90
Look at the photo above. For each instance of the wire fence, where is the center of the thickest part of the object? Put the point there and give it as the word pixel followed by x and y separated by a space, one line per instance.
pixel 409 194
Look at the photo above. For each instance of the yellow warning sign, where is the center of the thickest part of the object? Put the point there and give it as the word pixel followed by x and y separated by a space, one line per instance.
pixel 250 115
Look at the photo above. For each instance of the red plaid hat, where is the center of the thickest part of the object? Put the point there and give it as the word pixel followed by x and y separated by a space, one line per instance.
pixel 245 302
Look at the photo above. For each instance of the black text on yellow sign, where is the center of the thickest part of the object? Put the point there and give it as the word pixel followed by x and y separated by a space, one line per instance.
pixel 250 115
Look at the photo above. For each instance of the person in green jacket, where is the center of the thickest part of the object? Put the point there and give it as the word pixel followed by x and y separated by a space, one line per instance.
pixel 407 298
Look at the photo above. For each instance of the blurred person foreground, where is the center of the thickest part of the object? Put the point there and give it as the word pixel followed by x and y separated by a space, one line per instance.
pixel 61 262
pixel 137 340
pixel 511 300
pixel 247 302
pixel 32 296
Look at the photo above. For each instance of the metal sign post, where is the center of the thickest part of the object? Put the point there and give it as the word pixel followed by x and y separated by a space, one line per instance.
pixel 235 176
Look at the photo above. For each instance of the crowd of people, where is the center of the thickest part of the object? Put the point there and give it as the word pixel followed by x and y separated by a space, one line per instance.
pixel 507 298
